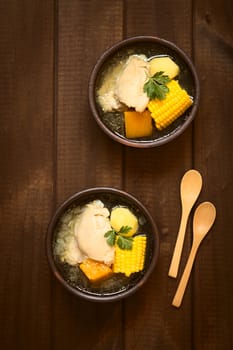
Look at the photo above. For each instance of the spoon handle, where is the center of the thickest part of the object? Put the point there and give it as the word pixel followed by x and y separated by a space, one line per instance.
pixel 174 266
pixel 177 300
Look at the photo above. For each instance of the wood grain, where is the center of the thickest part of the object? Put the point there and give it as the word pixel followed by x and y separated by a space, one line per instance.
pixel 213 287
pixel 26 150
pixel 50 147
pixel 85 156
pixel 82 160
pixel 154 176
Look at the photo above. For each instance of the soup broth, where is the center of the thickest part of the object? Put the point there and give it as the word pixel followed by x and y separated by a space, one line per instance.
pixel 114 120
pixel 117 282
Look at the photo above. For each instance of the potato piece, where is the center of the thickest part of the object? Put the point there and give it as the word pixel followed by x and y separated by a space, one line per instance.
pixel 95 270
pixel 164 64
pixel 121 216
pixel 138 124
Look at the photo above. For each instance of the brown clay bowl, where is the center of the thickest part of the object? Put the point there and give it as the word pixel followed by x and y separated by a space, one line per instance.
pixel 112 123
pixel 118 286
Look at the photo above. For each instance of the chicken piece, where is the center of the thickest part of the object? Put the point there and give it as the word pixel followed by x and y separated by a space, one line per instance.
pixel 129 87
pixel 89 232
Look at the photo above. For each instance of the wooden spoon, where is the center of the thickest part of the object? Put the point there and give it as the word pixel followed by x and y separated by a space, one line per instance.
pixel 204 217
pixel 190 189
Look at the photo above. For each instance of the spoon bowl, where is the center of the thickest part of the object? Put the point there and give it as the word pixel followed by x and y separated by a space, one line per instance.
pixel 203 220
pixel 190 187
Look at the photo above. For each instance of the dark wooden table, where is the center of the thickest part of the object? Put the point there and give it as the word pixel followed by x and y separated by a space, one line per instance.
pixel 51 147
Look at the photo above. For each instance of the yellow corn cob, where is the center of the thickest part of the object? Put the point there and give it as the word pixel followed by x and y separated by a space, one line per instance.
pixel 129 261
pixel 164 112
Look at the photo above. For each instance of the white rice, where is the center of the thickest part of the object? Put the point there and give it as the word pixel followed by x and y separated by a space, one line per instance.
pixel 65 240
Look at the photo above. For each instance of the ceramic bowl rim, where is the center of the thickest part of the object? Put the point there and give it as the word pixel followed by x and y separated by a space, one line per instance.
pixel 108 53
pixel 81 195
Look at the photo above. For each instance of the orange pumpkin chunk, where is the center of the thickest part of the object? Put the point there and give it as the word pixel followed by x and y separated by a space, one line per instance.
pixel 95 270
pixel 138 124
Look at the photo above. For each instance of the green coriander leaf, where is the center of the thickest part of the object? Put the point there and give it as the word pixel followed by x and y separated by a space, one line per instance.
pixel 108 233
pixel 111 237
pixel 125 242
pixel 160 91
pixel 124 229
pixel 161 78
pixel 111 240
pixel 149 89
pixel 155 87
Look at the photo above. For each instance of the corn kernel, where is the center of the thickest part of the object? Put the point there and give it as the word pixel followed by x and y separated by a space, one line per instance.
pixel 130 261
pixel 166 111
